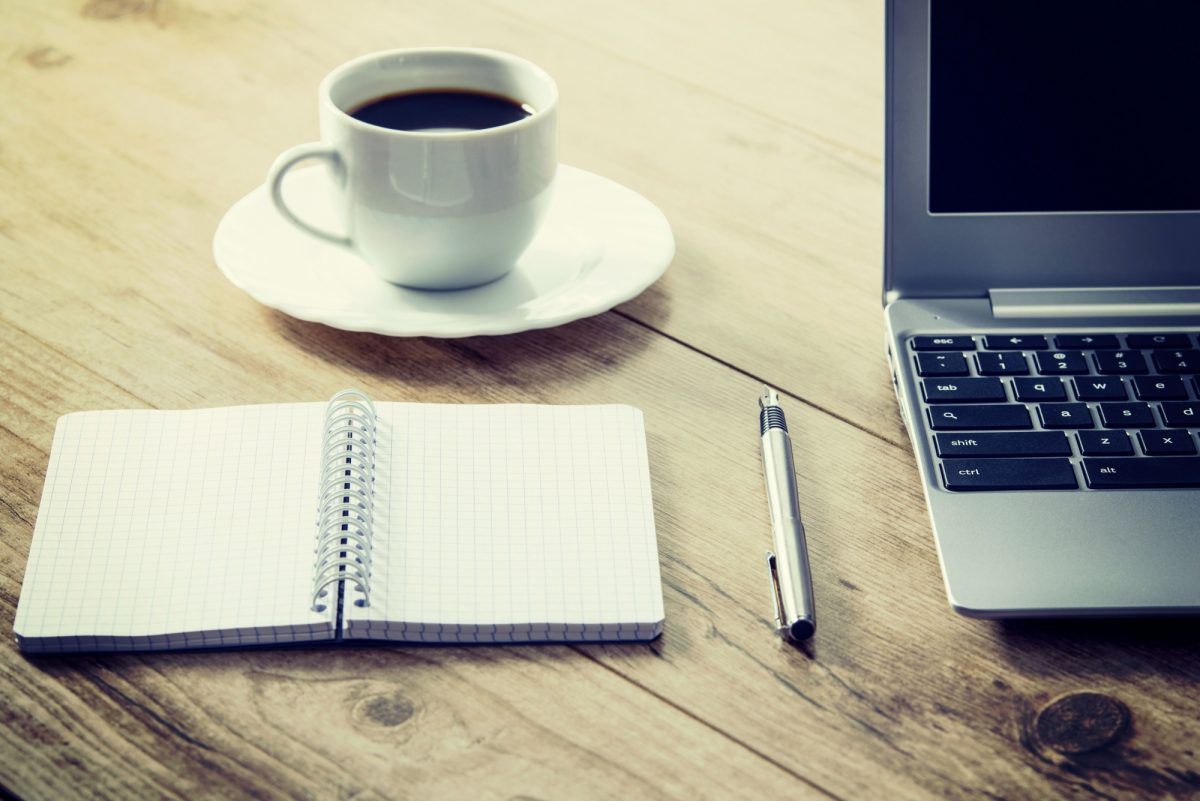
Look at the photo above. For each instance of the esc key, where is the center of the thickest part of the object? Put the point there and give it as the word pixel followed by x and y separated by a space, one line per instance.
pixel 943 343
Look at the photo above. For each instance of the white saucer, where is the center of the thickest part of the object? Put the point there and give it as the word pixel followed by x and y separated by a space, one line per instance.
pixel 601 245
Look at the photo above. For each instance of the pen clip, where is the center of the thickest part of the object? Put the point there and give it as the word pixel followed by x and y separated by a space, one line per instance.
pixel 776 597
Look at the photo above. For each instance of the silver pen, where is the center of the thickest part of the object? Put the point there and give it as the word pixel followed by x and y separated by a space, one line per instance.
pixel 791 580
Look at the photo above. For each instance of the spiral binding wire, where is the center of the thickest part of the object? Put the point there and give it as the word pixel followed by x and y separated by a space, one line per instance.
pixel 345 503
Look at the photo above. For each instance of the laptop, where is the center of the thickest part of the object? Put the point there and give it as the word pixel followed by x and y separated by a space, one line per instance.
pixel 1042 296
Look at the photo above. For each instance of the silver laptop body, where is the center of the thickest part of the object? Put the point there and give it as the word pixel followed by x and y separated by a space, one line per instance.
pixel 1043 224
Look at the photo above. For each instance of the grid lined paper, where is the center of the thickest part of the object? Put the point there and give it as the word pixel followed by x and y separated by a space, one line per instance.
pixel 162 529
pixel 511 523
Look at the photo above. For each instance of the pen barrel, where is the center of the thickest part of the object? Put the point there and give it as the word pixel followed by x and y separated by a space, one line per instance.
pixel 792 567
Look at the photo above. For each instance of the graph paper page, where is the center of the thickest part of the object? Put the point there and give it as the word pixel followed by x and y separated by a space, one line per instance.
pixel 511 522
pixel 176 529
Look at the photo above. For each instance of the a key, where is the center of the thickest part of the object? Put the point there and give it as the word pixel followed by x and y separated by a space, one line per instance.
pixel 1008 474
pixel 1119 362
pixel 943 343
pixel 1065 415
pixel 1002 443
pixel 1167 442
pixel 1100 388
pixel 1126 415
pixel 1014 342
pixel 1104 443
pixel 1039 389
pixel 1060 362
pixel 983 416
pixel 1004 363
pixel 1180 415
pixel 1157 341
pixel 1180 471
pixel 1159 388
pixel 1176 361
pixel 941 364
pixel 1086 342
pixel 963 390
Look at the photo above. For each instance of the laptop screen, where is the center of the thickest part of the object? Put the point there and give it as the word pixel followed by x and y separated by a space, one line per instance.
pixel 1064 106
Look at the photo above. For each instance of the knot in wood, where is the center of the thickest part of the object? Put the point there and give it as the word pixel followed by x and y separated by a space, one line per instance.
pixel 1080 722
pixel 384 710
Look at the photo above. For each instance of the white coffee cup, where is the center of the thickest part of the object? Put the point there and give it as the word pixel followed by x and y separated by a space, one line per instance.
pixel 433 209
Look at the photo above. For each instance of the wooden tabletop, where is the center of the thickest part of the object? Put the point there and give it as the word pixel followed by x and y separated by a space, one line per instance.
pixel 128 127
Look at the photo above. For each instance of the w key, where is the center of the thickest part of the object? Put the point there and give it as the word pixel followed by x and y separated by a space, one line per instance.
pixel 963 390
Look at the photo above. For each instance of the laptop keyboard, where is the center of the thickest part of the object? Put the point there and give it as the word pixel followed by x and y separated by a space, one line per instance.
pixel 1063 412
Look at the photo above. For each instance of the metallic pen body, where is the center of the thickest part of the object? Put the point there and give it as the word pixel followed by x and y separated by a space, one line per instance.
pixel 791 580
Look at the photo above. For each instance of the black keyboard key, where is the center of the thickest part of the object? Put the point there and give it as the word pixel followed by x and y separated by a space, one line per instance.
pixel 941 364
pixel 1120 362
pixel 1157 341
pixel 1180 415
pixel 1002 443
pixel 1100 388
pixel 1004 363
pixel 1181 471
pixel 1039 389
pixel 1176 361
pixel 1061 362
pixel 1167 442
pixel 972 418
pixel 1104 443
pixel 1159 388
pixel 1014 342
pixel 1065 415
pixel 1086 342
pixel 1008 474
pixel 943 343
pixel 963 390
pixel 1126 415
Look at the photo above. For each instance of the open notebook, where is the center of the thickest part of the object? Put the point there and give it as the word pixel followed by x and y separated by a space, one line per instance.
pixel 347 520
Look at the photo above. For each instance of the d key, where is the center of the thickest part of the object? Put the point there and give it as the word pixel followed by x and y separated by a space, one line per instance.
pixel 1181 415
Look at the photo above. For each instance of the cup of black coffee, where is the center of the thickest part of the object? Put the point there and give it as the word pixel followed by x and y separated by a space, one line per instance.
pixel 442 162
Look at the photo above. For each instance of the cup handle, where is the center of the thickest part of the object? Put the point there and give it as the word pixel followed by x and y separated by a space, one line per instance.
pixel 290 158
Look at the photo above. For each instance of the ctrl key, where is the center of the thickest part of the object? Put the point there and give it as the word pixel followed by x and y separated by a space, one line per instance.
pixel 962 475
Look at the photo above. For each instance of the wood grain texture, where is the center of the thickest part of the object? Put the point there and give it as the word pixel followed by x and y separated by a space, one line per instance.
pixel 130 126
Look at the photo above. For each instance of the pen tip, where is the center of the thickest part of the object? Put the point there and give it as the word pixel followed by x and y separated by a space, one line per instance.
pixel 769 397
pixel 802 630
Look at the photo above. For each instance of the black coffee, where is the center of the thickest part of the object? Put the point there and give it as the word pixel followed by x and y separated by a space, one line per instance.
pixel 441 109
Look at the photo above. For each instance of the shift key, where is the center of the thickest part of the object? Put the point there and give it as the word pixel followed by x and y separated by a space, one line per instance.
pixel 1008 444
pixel 981 417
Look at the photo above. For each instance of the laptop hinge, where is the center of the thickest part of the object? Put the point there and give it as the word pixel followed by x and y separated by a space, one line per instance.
pixel 1103 302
